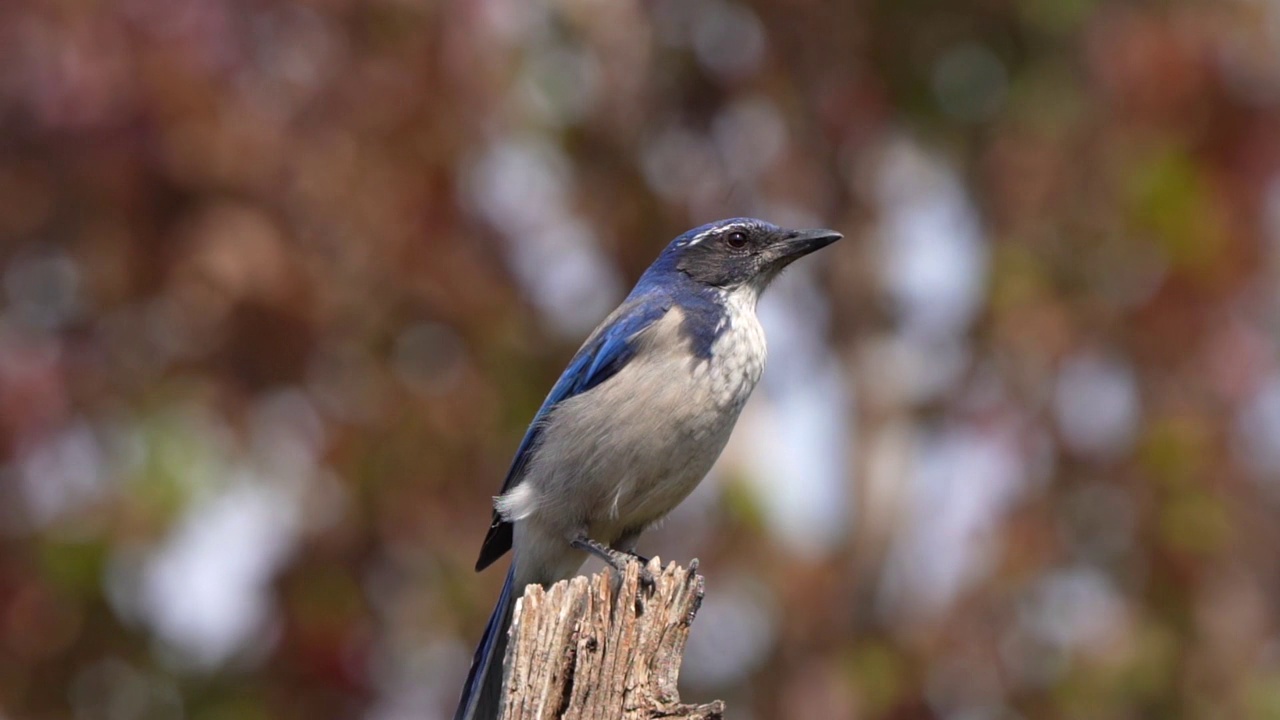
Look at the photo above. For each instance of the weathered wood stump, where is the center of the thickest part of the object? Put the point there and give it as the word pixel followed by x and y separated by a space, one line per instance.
pixel 580 653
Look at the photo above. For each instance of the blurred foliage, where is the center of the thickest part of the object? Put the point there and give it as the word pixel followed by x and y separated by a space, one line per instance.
pixel 283 282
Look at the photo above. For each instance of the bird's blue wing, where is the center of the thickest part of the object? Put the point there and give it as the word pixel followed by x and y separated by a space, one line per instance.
pixel 606 352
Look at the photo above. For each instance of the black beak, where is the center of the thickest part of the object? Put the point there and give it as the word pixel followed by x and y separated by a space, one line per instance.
pixel 798 243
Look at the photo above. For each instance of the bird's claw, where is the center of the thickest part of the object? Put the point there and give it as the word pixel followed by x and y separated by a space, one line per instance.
pixel 618 560
pixel 647 581
pixel 646 575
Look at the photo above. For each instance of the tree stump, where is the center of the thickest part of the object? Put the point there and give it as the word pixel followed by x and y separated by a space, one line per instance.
pixel 580 651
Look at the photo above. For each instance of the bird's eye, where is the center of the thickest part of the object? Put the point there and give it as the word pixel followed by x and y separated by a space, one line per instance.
pixel 736 240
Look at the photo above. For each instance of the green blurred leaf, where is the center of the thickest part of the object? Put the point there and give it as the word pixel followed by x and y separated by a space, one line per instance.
pixel 881 676
pixel 1262 697
pixel 74 567
pixel 742 504
pixel 1169 196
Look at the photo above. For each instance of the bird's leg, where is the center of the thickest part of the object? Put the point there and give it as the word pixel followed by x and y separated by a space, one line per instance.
pixel 627 544
pixel 617 559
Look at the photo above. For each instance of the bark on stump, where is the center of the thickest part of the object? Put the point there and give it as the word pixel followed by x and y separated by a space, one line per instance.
pixel 580 651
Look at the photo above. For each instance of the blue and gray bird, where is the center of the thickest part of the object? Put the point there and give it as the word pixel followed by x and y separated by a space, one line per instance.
pixel 635 421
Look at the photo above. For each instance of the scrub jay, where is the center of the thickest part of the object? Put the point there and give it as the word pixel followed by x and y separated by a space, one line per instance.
pixel 635 421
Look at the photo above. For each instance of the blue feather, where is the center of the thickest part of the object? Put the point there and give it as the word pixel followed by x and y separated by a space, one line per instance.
pixel 606 352
pixel 482 692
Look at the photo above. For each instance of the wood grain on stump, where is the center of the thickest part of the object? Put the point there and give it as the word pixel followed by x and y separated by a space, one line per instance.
pixel 581 651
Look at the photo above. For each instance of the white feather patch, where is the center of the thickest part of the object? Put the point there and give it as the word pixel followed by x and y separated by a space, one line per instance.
pixel 717 230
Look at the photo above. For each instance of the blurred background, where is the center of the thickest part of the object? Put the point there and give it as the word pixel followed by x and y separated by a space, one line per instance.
pixel 281 284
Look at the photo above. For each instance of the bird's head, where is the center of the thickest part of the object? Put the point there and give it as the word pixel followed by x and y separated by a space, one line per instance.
pixel 740 253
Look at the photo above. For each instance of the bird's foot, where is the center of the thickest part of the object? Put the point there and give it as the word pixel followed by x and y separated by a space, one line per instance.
pixel 618 560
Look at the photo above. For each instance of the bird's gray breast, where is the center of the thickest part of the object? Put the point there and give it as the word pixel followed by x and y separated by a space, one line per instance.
pixel 622 455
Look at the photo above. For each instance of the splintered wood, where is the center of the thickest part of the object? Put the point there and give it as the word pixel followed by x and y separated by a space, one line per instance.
pixel 577 654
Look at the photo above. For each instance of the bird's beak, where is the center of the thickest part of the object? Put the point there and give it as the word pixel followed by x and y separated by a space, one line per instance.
pixel 798 243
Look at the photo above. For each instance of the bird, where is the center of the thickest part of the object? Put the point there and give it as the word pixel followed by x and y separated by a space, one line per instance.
pixel 635 421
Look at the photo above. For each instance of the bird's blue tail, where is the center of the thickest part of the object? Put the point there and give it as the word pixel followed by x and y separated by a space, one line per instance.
pixel 482 693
